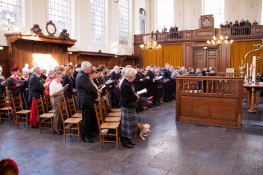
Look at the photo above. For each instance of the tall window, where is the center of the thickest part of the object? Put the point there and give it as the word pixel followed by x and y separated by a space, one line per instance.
pixel 60 14
pixel 97 10
pixel 164 14
pixel 124 22
pixel 10 10
pixel 215 7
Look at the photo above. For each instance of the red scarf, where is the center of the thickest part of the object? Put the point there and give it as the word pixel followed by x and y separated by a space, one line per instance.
pixel 33 114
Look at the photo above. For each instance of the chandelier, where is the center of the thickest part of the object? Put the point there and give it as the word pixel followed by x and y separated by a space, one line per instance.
pixel 150 44
pixel 220 40
pixel 7 22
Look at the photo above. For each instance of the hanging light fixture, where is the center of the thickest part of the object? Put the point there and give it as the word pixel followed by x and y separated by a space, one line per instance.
pixel 150 44
pixel 220 40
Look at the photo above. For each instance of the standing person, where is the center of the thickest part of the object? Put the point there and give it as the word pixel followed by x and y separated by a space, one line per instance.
pixel 2 81
pixel 139 80
pixel 116 73
pixel 13 83
pixel 68 79
pixel 49 79
pixel 56 94
pixel 128 102
pixel 86 95
pixel 24 78
pixel 36 89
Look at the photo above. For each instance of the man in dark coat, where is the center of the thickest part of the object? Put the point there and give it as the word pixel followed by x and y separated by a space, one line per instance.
pixel 86 95
pixel 35 90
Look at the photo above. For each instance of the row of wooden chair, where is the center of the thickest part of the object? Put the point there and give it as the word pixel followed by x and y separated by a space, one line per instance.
pixel 108 121
pixel 5 109
pixel 109 125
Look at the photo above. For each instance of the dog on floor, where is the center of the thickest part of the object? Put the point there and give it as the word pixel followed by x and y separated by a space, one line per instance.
pixel 144 130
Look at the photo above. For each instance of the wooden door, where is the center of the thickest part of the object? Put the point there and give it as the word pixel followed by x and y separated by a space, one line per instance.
pixel 206 58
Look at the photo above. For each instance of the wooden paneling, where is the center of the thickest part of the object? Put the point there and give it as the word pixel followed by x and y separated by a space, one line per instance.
pixel 97 58
pixel 31 48
pixel 196 39
pixel 188 55
pixel 209 100
pixel 25 52
pixel 4 60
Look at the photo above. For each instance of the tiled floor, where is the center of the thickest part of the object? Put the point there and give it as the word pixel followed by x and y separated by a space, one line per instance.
pixel 172 149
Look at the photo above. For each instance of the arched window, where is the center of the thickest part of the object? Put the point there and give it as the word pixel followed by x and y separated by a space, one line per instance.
pixel 10 10
pixel 60 12
pixel 97 11
pixel 164 14
pixel 123 22
pixel 215 7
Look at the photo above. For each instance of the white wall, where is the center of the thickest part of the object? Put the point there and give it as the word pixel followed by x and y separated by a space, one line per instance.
pixel 243 9
pixel 187 14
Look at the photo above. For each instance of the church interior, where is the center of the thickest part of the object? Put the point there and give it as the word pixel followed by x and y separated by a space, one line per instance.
pixel 204 104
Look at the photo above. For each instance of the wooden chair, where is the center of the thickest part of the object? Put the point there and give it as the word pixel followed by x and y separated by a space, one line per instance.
pixel 4 110
pixel 45 119
pixel 110 103
pixel 69 124
pixel 48 104
pixel 106 116
pixel 72 108
pixel 107 130
pixel 21 115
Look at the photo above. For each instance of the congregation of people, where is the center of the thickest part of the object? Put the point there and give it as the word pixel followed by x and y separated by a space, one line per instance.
pixel 173 32
pixel 86 82
pixel 239 28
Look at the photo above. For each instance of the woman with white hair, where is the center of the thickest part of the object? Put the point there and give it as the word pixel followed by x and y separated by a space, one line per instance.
pixel 128 102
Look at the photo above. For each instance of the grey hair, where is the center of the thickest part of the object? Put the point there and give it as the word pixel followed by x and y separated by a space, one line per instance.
pixel 49 72
pixel 43 70
pixel 85 65
pixel 130 73
pixel 36 68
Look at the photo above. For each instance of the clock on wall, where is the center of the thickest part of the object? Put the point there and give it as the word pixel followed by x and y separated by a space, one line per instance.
pixel 51 28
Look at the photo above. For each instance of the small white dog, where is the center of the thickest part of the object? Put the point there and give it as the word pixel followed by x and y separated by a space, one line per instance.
pixel 144 130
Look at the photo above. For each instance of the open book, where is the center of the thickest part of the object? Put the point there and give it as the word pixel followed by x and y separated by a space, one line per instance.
pixel 102 87
pixel 141 91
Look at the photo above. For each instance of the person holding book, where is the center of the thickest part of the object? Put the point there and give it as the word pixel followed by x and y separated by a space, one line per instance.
pixel 128 102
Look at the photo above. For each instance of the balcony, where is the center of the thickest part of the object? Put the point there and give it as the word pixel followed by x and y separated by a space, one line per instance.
pixel 204 34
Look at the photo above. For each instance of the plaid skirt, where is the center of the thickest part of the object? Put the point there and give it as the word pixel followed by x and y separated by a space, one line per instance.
pixel 128 122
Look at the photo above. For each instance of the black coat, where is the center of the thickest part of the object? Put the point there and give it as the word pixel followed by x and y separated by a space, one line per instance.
pixel 68 80
pixel 150 74
pixel 128 97
pixel 36 88
pixel 138 85
pixel 12 86
pixel 86 92
pixel 115 76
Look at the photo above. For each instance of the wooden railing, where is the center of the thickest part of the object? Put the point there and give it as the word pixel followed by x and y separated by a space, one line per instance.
pixel 209 100
pixel 246 32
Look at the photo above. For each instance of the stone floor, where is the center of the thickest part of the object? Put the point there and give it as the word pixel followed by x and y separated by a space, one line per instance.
pixel 172 149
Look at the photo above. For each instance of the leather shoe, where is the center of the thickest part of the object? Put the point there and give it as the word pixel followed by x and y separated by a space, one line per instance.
pixel 88 140
pixel 130 142
pixel 127 145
